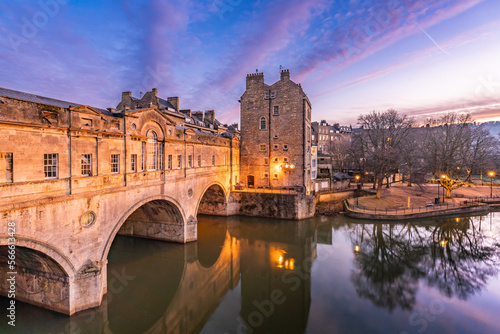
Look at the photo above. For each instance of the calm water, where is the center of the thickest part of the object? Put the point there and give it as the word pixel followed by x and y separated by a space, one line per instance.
pixel 325 275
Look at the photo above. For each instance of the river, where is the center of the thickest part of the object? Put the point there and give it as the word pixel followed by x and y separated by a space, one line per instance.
pixel 322 275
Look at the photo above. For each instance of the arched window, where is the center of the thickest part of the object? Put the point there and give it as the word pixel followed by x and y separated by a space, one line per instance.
pixel 262 123
pixel 152 151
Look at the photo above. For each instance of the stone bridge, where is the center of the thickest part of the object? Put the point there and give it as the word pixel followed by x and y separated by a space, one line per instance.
pixel 62 262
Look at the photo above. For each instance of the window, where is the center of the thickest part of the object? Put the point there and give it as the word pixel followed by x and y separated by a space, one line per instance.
pixel 313 163
pixel 262 147
pixel 275 136
pixel 225 160
pixel 9 167
pixel 50 164
pixel 276 147
pixel 86 122
pixel 133 163
pixel 285 159
pixel 190 161
pixel 115 163
pixel 213 160
pixel 143 156
pixel 262 123
pixel 152 151
pixel 275 160
pixel 266 161
pixel 275 176
pixel 199 161
pixel 86 165
pixel 169 163
pixel 179 161
pixel 285 147
pixel 160 156
pixel 266 176
pixel 276 110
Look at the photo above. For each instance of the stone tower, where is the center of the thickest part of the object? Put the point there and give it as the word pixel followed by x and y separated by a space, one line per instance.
pixel 275 134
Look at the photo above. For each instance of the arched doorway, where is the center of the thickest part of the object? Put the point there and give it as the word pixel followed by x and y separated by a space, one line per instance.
pixel 213 202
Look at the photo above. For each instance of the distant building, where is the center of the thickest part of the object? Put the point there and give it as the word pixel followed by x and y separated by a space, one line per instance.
pixel 329 137
pixel 275 134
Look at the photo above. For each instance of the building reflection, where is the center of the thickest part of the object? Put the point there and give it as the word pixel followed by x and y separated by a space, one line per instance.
pixel 276 259
pixel 455 255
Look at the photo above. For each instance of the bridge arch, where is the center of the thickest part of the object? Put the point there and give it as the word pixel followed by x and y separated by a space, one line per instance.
pixel 159 210
pixel 213 200
pixel 50 251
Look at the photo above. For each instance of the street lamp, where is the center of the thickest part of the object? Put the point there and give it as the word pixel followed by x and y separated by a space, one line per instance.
pixel 444 178
pixel 357 189
pixel 491 174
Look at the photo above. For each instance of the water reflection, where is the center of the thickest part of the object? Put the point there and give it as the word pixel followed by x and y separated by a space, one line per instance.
pixel 247 275
pixel 456 255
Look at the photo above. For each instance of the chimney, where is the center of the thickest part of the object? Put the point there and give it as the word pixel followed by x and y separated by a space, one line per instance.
pixel 186 112
pixel 210 116
pixel 155 92
pixel 199 114
pixel 174 101
pixel 285 75
pixel 255 80
pixel 125 94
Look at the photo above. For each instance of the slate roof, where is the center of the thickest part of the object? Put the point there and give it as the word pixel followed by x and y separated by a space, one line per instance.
pixel 46 100
pixel 164 104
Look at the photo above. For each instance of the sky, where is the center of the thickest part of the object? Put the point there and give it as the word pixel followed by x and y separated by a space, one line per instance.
pixel 421 58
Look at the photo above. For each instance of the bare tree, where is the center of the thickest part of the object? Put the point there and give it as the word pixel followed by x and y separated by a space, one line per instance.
pixel 382 138
pixel 455 148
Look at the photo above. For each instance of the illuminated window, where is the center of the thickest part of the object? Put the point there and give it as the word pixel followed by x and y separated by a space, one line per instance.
pixel 152 160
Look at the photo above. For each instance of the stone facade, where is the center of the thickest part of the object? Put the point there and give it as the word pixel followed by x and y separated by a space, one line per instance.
pixel 74 176
pixel 275 134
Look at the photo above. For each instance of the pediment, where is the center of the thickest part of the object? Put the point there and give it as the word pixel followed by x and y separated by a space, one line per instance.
pixel 137 113
pixel 86 110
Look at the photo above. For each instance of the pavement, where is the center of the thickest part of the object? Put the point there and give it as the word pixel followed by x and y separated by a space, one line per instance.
pixel 397 195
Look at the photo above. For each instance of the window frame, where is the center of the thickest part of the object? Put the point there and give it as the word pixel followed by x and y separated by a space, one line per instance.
pixel 115 164
pixel 86 165
pixel 46 168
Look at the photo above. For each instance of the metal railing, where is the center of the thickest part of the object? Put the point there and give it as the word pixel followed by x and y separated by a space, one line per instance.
pixel 469 202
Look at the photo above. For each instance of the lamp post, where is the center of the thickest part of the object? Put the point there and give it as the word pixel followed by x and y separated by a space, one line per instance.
pixel 491 174
pixel 357 190
pixel 444 178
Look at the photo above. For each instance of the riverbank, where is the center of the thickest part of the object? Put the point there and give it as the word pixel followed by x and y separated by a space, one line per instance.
pixel 402 202
pixel 405 201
